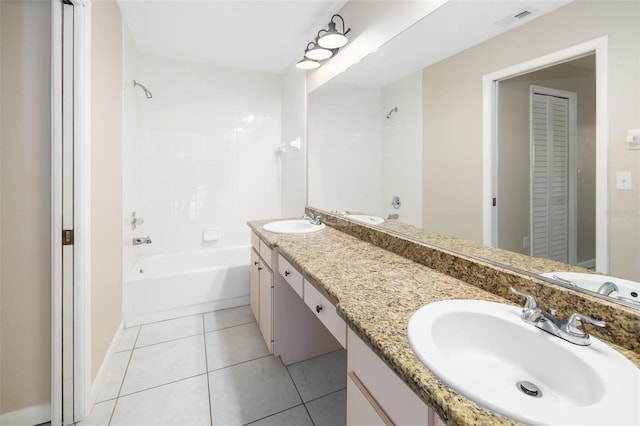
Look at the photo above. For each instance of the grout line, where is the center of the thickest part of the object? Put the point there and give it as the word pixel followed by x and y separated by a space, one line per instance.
pixel 168 341
pixel 270 415
pixel 326 394
pixel 231 326
pixel 124 376
pixel 206 369
pixel 239 363
pixel 304 404
pixel 161 385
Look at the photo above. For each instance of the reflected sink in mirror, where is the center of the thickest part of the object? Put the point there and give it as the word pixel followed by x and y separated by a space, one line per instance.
pixel 365 218
pixel 617 288
pixel 485 351
pixel 295 226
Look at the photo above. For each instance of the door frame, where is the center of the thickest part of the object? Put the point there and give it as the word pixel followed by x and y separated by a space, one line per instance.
pixel 599 46
pixel 82 394
pixel 572 166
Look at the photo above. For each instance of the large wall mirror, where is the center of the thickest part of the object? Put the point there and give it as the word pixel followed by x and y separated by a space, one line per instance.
pixel 398 137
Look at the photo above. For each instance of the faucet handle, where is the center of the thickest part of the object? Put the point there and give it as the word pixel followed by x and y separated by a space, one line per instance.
pixel 531 302
pixel 572 325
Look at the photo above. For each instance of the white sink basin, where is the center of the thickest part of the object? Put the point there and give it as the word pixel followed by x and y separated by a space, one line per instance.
pixel 365 218
pixel 296 226
pixel 483 350
pixel 627 290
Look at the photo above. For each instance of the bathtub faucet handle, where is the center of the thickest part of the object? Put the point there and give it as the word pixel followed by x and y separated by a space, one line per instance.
pixel 135 221
pixel 141 240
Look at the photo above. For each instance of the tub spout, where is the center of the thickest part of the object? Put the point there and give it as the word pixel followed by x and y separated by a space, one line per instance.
pixel 144 240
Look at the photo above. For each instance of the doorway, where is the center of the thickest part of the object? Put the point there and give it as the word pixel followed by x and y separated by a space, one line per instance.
pixel 584 58
pixel 546 162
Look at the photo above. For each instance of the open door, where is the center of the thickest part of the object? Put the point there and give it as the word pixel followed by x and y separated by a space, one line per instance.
pixel 69 341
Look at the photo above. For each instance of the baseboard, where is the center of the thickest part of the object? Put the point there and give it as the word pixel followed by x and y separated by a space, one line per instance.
pixel 29 416
pixel 104 369
pixel 588 264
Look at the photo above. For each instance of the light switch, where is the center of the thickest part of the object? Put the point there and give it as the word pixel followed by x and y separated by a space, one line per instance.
pixel 623 180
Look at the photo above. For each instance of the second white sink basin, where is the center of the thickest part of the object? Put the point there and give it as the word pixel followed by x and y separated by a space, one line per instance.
pixel 365 218
pixel 629 291
pixel 295 226
pixel 485 351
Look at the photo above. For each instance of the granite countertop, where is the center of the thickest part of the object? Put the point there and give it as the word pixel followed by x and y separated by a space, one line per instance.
pixel 376 292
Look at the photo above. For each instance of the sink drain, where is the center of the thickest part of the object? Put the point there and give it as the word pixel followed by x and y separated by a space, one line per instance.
pixel 529 389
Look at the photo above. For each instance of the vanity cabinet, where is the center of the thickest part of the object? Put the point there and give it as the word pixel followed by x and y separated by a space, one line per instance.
pixel 261 287
pixel 376 395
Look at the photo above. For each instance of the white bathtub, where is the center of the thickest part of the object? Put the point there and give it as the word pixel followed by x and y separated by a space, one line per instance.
pixel 166 286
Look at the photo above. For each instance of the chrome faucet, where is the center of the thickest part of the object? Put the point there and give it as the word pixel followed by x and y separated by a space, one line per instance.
pixel 607 288
pixel 138 240
pixel 569 331
pixel 313 219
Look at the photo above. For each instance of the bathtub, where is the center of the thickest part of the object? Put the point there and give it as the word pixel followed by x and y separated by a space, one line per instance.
pixel 166 286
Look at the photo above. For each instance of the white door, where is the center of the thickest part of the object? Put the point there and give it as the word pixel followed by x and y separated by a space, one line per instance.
pixel 69 357
pixel 552 183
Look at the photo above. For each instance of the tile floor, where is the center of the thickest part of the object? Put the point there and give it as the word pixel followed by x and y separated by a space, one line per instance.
pixel 215 369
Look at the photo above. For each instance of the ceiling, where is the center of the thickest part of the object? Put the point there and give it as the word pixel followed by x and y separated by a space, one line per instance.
pixel 259 35
pixel 270 35
pixel 452 28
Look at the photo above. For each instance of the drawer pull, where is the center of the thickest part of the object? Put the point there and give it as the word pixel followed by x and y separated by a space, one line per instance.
pixel 259 268
pixel 256 263
pixel 318 308
pixel 287 273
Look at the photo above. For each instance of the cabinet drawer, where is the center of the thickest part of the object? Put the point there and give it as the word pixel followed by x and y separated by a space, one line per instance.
pixel 392 394
pixel 290 274
pixel 255 241
pixel 326 312
pixel 266 254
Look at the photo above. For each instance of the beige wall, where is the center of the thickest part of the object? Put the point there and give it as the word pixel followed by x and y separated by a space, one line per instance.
pixel 514 148
pixel 25 229
pixel 106 178
pixel 452 89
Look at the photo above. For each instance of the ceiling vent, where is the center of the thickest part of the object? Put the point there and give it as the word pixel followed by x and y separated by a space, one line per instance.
pixel 516 17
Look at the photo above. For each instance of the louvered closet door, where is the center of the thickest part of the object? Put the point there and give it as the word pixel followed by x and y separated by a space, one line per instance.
pixel 549 178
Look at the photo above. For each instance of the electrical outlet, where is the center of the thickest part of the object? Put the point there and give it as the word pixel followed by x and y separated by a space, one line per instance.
pixel 525 242
pixel 623 180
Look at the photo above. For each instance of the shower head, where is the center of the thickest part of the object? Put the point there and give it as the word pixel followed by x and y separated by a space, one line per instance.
pixel 147 93
pixel 392 111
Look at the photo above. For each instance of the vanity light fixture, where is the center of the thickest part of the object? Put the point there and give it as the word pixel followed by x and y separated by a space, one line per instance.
pixel 307 64
pixel 325 45
pixel 332 38
pixel 317 53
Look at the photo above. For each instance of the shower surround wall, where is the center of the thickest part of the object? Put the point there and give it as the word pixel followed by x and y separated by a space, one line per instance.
pixel 199 155
pixel 358 158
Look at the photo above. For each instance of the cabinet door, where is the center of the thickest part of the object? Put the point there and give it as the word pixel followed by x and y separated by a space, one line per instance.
pixel 254 288
pixel 362 409
pixel 266 305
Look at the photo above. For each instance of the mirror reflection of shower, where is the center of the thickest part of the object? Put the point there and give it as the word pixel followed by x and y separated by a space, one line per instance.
pixel 147 93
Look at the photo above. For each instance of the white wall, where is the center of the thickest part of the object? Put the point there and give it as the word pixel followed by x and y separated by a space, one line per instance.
pixel 345 149
pixel 203 155
pixel 402 148
pixel 294 129
pixel 131 98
